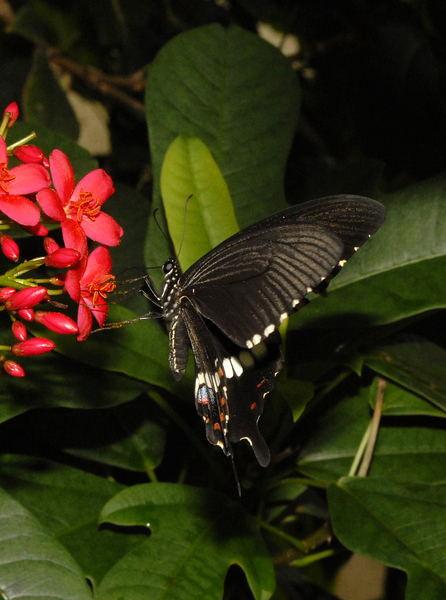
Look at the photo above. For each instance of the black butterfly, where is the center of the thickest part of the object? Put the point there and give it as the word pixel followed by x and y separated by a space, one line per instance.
pixel 228 305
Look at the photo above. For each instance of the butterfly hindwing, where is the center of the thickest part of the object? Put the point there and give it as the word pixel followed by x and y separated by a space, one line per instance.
pixel 230 385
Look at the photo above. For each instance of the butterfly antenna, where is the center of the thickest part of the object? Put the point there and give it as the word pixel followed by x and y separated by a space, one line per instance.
pixel 184 226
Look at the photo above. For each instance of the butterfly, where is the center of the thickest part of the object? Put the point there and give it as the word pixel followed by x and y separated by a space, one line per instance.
pixel 228 305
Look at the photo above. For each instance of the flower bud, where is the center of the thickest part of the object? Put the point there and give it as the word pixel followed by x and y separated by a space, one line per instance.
pixel 33 347
pixel 19 331
pixel 50 245
pixel 62 258
pixel 38 229
pixel 29 154
pixel 13 111
pixel 12 368
pixel 9 247
pixel 26 298
pixel 6 292
pixel 57 322
pixel 26 313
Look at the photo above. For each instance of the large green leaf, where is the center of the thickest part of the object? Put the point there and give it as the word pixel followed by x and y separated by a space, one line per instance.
pixel 407 452
pixel 65 503
pixel 34 565
pixel 240 97
pixel 196 536
pixel 52 380
pixel 400 525
pixel 189 168
pixel 399 401
pixel 417 364
pixel 399 272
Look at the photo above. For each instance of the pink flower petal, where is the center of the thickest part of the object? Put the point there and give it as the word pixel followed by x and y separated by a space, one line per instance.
pixel 3 151
pixel 97 182
pixel 84 322
pixel 99 264
pixel 104 229
pixel 19 209
pixel 28 178
pixel 98 310
pixel 62 174
pixel 73 286
pixel 51 204
pixel 74 237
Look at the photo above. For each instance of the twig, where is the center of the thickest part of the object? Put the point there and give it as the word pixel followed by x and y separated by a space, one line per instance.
pixel 106 84
pixel 368 454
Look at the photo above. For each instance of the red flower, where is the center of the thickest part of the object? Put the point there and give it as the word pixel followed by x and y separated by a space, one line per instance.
pixel 93 286
pixel 81 204
pixel 24 179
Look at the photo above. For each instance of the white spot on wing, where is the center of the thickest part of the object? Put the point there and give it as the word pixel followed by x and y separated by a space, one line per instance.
pixel 269 330
pixel 341 263
pixel 227 366
pixel 256 339
pixel 309 290
pixel 249 344
pixel 283 316
pixel 295 303
pixel 208 381
pixel 238 369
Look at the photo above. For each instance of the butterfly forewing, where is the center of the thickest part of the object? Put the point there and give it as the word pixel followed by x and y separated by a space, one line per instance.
pixel 267 273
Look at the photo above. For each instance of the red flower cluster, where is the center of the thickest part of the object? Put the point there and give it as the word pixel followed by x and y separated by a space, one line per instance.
pixel 78 209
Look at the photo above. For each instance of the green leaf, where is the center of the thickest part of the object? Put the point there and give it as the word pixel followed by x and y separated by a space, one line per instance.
pixel 222 86
pixel 399 273
pixel 66 503
pixel 398 401
pixel 417 364
pixel 44 100
pixel 400 525
pixel 405 452
pixel 188 526
pixel 140 451
pixel 34 564
pixel 189 169
pixel 52 380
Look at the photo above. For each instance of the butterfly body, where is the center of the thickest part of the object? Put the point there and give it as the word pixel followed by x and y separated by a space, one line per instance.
pixel 227 306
